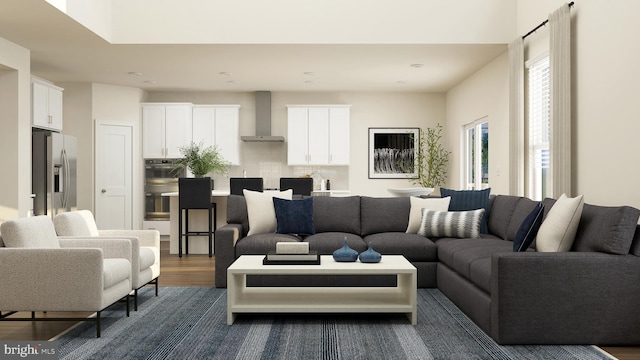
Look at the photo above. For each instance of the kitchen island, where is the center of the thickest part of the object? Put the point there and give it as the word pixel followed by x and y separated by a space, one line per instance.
pixel 197 222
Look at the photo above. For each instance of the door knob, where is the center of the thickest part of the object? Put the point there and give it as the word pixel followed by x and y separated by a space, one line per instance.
pixel 104 191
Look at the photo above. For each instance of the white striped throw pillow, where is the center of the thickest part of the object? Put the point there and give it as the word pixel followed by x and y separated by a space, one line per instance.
pixel 457 224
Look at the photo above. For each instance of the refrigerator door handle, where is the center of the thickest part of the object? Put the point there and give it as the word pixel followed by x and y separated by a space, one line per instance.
pixel 66 185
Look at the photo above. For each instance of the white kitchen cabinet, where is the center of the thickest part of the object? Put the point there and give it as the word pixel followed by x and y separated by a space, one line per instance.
pixel 339 145
pixel 46 105
pixel 165 128
pixel 218 125
pixel 318 135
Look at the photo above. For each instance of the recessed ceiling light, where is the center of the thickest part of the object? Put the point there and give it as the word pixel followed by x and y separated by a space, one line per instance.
pixel 416 65
pixel 310 73
pixel 135 73
pixel 233 82
pixel 150 82
pixel 225 73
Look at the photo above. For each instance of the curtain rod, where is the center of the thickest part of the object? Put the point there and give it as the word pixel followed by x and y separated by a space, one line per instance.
pixel 541 25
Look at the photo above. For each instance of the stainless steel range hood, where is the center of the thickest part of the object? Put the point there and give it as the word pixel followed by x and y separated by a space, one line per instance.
pixel 263 120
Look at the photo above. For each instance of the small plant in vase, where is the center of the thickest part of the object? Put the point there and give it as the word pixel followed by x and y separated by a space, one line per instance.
pixel 201 160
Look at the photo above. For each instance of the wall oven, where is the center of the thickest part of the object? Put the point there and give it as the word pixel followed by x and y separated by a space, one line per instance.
pixel 159 179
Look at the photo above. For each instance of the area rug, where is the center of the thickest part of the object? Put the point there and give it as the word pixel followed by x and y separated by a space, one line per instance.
pixel 190 323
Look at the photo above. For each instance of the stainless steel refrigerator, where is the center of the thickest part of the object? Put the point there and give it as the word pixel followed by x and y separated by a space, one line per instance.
pixel 54 173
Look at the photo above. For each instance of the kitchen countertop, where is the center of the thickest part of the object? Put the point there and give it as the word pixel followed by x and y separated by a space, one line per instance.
pixel 213 193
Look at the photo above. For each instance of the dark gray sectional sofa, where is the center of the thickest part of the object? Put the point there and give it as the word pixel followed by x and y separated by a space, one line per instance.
pixel 586 296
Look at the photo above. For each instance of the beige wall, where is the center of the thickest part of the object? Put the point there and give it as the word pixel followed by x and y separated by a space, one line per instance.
pixel 84 105
pixel 605 88
pixel 15 134
pixel 484 94
pixel 367 110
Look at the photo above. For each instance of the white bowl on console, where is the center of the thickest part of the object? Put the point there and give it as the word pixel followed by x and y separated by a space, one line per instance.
pixel 415 191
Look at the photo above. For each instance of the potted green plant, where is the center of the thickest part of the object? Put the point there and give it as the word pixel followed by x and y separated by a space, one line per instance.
pixel 431 159
pixel 201 160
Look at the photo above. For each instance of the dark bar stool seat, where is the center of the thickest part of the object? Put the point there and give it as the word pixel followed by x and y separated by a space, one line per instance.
pixel 238 184
pixel 300 186
pixel 195 194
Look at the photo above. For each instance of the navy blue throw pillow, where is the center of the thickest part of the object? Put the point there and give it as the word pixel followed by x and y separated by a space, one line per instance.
pixel 466 200
pixel 528 229
pixel 294 216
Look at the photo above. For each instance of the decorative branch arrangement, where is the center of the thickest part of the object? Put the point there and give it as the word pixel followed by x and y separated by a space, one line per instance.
pixel 432 159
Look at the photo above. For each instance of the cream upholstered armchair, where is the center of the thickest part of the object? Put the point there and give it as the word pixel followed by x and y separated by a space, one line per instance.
pixel 145 245
pixel 40 272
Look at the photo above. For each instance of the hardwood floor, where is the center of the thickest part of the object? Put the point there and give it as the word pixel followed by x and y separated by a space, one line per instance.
pixel 191 270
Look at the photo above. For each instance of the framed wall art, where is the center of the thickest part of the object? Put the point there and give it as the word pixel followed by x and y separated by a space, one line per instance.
pixel 392 153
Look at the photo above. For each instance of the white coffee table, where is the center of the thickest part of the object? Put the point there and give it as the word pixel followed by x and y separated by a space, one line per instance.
pixel 399 299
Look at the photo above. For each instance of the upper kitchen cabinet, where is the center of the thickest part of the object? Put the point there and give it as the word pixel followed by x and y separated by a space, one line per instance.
pixel 318 134
pixel 218 125
pixel 46 103
pixel 165 128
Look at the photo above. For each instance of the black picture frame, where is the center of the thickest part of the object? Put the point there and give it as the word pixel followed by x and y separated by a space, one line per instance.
pixel 393 153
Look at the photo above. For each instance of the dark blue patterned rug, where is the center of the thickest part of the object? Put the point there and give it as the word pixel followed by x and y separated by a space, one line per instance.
pixel 190 323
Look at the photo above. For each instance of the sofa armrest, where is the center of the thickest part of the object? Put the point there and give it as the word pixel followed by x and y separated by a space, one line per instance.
pixel 565 298
pixel 225 242
pixel 51 279
pixel 112 248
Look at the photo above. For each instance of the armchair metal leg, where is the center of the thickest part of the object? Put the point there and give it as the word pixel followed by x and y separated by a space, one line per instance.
pixel 127 300
pixel 135 300
pixel 98 324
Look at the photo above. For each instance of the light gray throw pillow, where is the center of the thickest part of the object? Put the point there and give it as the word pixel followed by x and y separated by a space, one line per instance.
pixel 456 224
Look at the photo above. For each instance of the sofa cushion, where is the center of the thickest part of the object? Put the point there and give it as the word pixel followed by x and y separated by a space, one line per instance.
pixel 467 255
pixel 261 244
pixel 458 224
pixel 30 232
pixel 260 210
pixel 341 214
pixel 115 271
pixel 507 213
pixel 464 200
pixel 147 257
pixel 415 212
pixel 379 215
pixel 294 216
pixel 558 230
pixel 606 229
pixel 412 246
pixel 327 242
pixel 528 229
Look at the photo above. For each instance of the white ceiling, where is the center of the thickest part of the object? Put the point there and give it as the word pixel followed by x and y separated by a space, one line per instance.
pixel 62 50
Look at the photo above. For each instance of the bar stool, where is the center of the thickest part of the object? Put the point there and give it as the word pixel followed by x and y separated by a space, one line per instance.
pixel 238 184
pixel 195 194
pixel 300 186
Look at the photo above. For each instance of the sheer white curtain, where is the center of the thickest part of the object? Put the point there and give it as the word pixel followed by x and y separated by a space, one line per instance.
pixel 560 71
pixel 516 117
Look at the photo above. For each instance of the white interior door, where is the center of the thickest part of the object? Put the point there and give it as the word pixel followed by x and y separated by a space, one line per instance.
pixel 113 176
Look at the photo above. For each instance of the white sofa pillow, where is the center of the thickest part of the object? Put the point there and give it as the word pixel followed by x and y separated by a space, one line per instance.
pixel 558 230
pixel 417 204
pixel 260 210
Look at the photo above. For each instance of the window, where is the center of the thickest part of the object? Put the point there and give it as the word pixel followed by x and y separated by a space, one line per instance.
pixel 537 135
pixel 476 164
